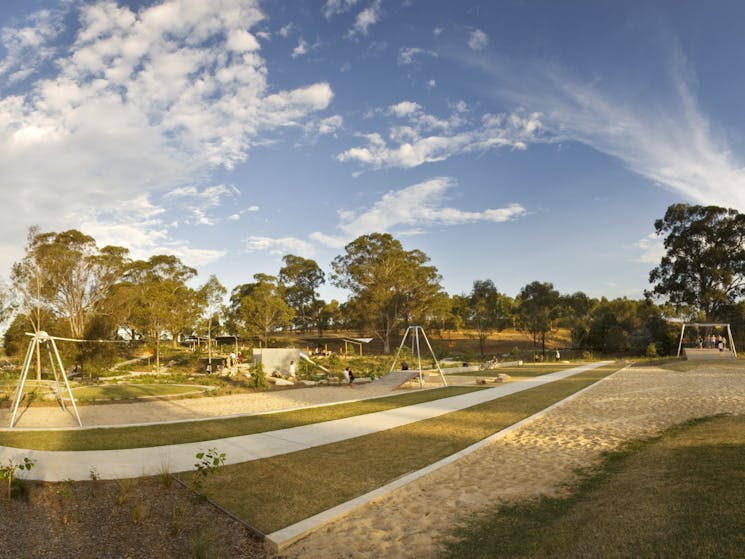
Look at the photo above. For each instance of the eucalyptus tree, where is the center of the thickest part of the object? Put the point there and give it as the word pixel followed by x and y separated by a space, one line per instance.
pixel 301 278
pixel 161 299
pixel 260 307
pixel 538 306
pixel 211 296
pixel 487 310
pixel 389 286
pixel 67 274
pixel 704 262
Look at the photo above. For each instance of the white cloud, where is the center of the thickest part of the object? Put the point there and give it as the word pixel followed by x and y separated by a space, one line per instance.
pixel 284 245
pixel 301 49
pixel 366 19
pixel 477 40
pixel 335 7
pixel 652 249
pixel 428 138
pixel 419 205
pixel 330 125
pixel 139 104
pixel 28 47
pixel 409 55
pixel 236 216
pixel 285 30
pixel 670 142
pixel 405 108
pixel 198 203
pixel 409 211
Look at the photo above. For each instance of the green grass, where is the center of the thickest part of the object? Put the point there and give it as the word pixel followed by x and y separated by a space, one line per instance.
pixel 132 391
pixel 194 431
pixel 524 371
pixel 275 492
pixel 682 495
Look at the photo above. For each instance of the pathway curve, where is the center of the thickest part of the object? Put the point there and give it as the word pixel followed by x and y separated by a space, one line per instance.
pixel 539 458
pixel 136 462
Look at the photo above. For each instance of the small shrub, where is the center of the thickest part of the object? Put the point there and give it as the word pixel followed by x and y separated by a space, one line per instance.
pixel 138 513
pixel 125 485
pixel 208 464
pixel 651 350
pixel 8 473
pixel 258 377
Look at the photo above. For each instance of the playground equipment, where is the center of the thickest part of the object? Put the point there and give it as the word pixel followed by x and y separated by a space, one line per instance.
pixel 709 327
pixel 413 332
pixel 38 340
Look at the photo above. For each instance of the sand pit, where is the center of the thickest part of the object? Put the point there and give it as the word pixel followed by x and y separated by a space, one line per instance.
pixel 536 459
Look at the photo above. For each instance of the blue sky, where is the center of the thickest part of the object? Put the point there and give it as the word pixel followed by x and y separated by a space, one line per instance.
pixel 513 140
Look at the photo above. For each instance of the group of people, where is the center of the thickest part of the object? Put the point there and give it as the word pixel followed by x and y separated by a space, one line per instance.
pixel 712 341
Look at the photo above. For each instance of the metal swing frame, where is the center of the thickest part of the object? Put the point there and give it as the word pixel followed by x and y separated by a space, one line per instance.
pixel 58 370
pixel 413 332
pixel 707 325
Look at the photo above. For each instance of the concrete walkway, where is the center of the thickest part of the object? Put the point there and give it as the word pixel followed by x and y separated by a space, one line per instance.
pixel 136 462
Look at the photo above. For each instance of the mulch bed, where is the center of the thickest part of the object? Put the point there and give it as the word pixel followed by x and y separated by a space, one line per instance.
pixel 138 518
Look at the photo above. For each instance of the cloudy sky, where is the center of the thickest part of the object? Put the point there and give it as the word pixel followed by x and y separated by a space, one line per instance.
pixel 513 141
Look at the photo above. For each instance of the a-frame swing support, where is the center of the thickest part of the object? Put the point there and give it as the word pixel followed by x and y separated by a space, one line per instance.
pixel 56 363
pixel 707 325
pixel 413 332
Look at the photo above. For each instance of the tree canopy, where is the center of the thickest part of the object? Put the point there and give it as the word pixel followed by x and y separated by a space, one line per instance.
pixel 390 286
pixel 704 262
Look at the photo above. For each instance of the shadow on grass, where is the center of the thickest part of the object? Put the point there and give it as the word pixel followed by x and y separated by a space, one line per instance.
pixel 681 495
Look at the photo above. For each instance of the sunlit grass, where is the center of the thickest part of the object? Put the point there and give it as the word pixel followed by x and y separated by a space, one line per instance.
pixel 275 492
pixel 194 431
pixel 682 495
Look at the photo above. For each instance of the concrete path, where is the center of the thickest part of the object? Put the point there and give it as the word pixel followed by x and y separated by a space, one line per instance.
pixel 136 462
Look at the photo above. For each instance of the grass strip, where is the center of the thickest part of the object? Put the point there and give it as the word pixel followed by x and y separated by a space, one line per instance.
pixel 132 391
pixel 195 431
pixel 522 371
pixel 681 495
pixel 276 492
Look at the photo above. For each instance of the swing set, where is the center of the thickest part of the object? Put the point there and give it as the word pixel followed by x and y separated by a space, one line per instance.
pixel 41 340
pixel 703 343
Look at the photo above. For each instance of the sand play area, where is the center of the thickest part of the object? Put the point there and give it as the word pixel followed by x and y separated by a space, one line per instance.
pixel 536 459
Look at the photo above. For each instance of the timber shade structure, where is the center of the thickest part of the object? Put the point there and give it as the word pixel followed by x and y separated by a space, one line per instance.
pixel 707 325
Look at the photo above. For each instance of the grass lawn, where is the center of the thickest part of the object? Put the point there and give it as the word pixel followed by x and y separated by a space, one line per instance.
pixel 532 370
pixel 193 431
pixel 681 495
pixel 132 391
pixel 275 492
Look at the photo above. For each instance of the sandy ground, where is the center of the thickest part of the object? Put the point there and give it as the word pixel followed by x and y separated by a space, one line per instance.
pixel 203 407
pixel 536 459
pixel 190 408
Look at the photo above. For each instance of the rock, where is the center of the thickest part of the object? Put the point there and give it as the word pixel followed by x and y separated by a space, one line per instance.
pixel 283 382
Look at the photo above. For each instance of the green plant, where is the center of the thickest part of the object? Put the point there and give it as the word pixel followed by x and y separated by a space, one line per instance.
pixel 8 473
pixel 258 377
pixel 208 464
